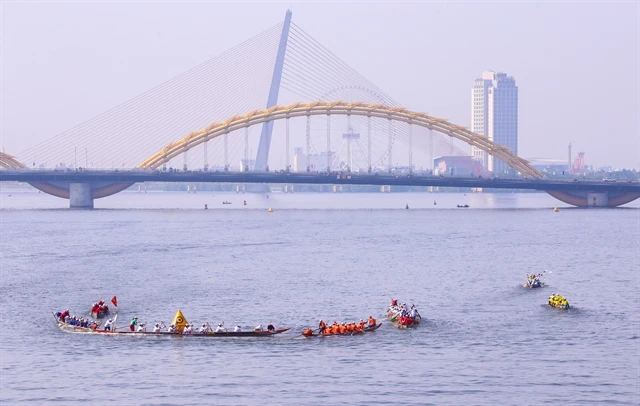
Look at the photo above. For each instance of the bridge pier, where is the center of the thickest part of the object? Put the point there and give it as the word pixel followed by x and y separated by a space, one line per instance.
pixel 337 188
pixel 288 188
pixel 80 196
pixel 598 199
pixel 385 188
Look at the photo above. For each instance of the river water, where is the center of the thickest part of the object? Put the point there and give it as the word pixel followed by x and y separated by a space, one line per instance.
pixel 486 339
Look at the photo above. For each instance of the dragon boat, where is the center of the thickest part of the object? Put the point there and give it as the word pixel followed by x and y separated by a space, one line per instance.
pixel 313 333
pixel 89 330
pixel 402 316
pixel 179 322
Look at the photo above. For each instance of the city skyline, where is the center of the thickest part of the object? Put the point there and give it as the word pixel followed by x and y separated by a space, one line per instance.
pixel 79 70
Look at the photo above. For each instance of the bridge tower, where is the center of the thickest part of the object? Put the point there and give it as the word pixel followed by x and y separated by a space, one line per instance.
pixel 262 158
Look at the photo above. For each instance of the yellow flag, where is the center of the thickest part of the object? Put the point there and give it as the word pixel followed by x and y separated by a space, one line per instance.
pixel 179 321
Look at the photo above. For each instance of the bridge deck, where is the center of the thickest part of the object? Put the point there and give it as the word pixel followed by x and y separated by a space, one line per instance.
pixel 131 176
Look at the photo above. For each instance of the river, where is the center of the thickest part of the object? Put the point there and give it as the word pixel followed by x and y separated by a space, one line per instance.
pixel 339 257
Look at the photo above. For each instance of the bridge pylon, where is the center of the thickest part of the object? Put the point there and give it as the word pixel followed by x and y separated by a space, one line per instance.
pixel 80 196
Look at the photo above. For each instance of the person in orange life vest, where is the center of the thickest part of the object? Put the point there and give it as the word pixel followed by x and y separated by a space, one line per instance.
pixel 322 326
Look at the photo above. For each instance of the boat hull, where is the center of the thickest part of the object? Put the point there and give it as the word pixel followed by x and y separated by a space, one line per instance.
pixel 566 307
pixel 86 330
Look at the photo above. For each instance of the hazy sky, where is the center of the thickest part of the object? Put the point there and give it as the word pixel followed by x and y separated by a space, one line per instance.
pixel 576 63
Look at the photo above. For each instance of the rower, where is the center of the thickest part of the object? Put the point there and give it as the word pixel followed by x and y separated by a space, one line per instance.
pixel 237 329
pixel 134 322
pixel 141 327
pixel 204 328
pixel 188 329
pixel 322 326
pixel 220 328
pixel 156 328
pixel 271 328
pixel 171 328
pixel 259 328
pixel 372 321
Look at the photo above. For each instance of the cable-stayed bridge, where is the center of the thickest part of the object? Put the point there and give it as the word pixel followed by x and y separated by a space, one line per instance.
pixel 279 101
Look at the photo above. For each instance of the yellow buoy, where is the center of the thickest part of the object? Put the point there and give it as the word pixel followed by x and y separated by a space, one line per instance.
pixel 555 210
pixel 270 210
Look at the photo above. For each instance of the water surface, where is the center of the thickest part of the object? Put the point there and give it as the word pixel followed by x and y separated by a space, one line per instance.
pixel 486 340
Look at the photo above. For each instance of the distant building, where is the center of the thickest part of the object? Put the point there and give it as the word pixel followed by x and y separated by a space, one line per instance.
pixel 247 165
pixel 316 162
pixel 456 166
pixel 494 113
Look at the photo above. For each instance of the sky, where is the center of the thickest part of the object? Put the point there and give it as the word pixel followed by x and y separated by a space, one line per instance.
pixel 576 64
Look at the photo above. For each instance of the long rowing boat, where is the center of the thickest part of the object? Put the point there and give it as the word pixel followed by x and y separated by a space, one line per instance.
pixel 351 333
pixel 88 330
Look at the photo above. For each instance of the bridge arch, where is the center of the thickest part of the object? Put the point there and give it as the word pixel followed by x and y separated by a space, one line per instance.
pixel 10 162
pixel 440 125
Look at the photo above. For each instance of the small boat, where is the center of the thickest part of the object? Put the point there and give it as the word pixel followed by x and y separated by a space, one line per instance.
pixel 226 202
pixel 534 284
pixel 533 281
pixel 465 206
pixel 270 210
pixel 99 310
pixel 555 210
pixel 558 302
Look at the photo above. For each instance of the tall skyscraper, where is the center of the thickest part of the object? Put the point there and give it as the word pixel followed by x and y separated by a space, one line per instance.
pixel 494 113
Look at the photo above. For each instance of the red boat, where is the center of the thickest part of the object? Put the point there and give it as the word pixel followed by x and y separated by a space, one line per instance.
pixel 406 322
pixel 99 310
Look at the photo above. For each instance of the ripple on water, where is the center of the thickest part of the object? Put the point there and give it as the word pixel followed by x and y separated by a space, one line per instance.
pixel 484 338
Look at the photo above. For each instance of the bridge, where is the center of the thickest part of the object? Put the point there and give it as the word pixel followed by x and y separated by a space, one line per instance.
pixel 320 178
pixel 348 125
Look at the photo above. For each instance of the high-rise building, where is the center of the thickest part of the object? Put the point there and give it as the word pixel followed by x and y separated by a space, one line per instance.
pixel 494 113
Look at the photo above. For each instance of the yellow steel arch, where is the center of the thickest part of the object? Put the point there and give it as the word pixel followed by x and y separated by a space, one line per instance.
pixel 300 109
pixel 8 161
